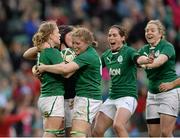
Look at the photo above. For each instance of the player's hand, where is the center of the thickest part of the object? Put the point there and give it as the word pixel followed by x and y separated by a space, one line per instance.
pixel 35 71
pixel 165 86
pixel 41 68
pixel 150 59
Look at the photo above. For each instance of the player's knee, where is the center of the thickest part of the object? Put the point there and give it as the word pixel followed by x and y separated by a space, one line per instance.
pixel 153 134
pixel 165 133
pixel 118 127
pixel 97 132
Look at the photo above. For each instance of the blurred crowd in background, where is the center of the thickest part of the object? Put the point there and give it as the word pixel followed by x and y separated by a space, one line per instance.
pixel 19 20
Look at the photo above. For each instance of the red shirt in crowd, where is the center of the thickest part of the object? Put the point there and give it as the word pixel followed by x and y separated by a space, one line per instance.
pixel 7 122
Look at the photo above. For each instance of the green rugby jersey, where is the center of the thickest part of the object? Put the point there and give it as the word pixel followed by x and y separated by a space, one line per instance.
pixel 164 73
pixel 51 84
pixel 88 82
pixel 122 70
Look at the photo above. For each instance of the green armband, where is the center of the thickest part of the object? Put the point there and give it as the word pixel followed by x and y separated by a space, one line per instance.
pixel 77 134
pixel 57 133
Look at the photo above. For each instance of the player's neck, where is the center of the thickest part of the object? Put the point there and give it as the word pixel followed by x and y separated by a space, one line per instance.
pixel 63 46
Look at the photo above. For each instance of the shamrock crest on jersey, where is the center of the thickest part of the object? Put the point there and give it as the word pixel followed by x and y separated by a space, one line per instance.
pixel 157 53
pixel 120 59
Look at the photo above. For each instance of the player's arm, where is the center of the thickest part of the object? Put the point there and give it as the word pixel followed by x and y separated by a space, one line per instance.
pixel 169 85
pixel 69 75
pixel 31 53
pixel 144 60
pixel 160 60
pixel 140 59
pixel 35 72
pixel 62 68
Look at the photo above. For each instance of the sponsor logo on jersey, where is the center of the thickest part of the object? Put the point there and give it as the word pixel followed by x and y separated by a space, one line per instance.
pixel 114 72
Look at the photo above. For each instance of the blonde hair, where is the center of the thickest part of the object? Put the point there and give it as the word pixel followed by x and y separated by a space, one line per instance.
pixel 159 25
pixel 85 35
pixel 43 33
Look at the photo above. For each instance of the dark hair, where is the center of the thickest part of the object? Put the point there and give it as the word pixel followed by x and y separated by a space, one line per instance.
pixel 122 31
pixel 63 30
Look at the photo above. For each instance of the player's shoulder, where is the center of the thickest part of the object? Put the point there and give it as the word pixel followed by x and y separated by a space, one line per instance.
pixel 106 53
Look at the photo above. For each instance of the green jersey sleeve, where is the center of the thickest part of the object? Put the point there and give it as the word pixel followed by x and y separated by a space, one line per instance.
pixel 168 50
pixel 133 54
